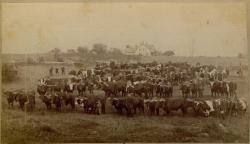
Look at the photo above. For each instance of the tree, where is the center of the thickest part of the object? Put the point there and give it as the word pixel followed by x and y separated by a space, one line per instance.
pixel 169 53
pixel 99 49
pixel 83 51
pixel 71 51
pixel 56 52
pixel 59 59
pixel 116 51
pixel 240 55
pixel 156 53
pixel 30 60
pixel 9 73
pixel 41 59
pixel 112 64
pixel 154 63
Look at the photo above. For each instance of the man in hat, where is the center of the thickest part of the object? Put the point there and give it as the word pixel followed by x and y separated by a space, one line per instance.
pixel 99 107
pixel 63 70
pixel 51 71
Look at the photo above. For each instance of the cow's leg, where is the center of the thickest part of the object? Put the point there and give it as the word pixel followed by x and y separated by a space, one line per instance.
pixel 157 111
pixel 123 93
pixel 9 104
pixel 183 111
pixel 22 105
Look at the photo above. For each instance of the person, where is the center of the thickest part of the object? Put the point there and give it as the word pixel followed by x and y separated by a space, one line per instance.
pixel 57 70
pixel 42 81
pixel 51 71
pixel 79 73
pixel 48 93
pixel 109 78
pixel 63 70
pixel 99 107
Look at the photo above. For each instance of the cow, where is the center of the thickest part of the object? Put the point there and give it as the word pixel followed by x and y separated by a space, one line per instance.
pixel 215 88
pixel 148 89
pixel 81 88
pixel 224 88
pixel 69 88
pixel 158 89
pixel 138 104
pixel 26 99
pixel 241 106
pixel 165 90
pixel 120 105
pixel 121 87
pixel 109 89
pixel 218 107
pixel 68 99
pixel 210 107
pixel 232 89
pixel 42 89
pixel 129 104
pixel 94 105
pixel 138 89
pixel 154 105
pixel 30 106
pixel 46 99
pixel 11 97
pixel 221 107
pixel 194 89
pixel 57 101
pixel 130 89
pixel 22 99
pixel 200 108
pixel 90 87
pixel 185 89
pixel 89 105
pixel 178 104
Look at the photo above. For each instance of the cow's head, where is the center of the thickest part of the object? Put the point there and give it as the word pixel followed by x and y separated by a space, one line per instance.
pixel 7 93
pixel 206 113
pixel 85 99
pixel 115 101
pixel 202 108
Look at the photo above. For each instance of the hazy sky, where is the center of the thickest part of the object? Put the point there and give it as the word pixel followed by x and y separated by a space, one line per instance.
pixel 208 29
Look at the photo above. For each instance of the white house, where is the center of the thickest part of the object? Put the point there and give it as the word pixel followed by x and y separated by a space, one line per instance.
pixel 143 49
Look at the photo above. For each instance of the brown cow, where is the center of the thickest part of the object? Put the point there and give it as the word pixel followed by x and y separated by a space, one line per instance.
pixel 11 98
pixel 178 104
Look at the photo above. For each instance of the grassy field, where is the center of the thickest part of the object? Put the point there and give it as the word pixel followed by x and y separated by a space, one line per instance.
pixel 68 126
pixel 223 61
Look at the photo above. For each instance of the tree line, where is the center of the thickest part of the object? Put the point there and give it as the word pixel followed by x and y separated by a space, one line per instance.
pixel 99 51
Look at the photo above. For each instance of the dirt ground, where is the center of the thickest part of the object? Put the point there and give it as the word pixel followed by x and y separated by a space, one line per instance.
pixel 75 126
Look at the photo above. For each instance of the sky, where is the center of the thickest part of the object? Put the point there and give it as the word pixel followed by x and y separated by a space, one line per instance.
pixel 189 29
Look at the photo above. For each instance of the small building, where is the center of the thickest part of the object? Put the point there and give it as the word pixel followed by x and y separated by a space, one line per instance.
pixel 143 49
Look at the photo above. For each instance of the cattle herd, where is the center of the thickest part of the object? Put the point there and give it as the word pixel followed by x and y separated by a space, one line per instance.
pixel 144 88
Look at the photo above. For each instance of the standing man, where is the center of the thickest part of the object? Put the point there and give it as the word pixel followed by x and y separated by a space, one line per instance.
pixel 51 71
pixel 57 70
pixel 241 70
pixel 99 107
pixel 63 70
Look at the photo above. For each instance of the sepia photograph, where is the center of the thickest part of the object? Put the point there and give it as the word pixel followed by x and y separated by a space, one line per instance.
pixel 124 72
